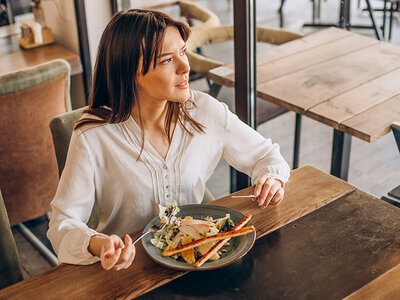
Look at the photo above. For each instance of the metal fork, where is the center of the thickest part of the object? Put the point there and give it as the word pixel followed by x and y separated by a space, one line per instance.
pixel 159 225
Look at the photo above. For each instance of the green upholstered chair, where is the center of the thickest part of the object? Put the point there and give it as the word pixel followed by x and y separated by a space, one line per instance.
pixel 61 128
pixel 208 197
pixel 10 267
pixel 29 99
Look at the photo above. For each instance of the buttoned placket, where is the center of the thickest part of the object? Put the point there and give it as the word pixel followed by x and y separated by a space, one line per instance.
pixel 167 184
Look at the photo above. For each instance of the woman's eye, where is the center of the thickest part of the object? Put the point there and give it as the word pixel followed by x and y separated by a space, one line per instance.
pixel 165 61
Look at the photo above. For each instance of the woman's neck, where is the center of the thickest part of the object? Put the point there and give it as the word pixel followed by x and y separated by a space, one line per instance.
pixel 152 124
pixel 153 114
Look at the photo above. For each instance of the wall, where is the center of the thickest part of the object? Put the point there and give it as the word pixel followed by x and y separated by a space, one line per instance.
pixel 60 18
pixel 98 14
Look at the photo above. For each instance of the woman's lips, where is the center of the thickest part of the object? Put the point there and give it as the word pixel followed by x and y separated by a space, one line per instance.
pixel 183 85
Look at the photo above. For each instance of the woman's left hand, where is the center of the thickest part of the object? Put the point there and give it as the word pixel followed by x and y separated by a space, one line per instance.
pixel 268 190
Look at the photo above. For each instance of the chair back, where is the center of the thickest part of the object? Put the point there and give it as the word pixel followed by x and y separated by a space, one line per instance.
pixel 10 266
pixel 192 10
pixel 61 129
pixel 29 99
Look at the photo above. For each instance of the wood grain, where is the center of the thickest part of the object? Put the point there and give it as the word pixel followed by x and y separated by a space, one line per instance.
pixel 302 90
pixel 314 56
pixel 353 102
pixel 286 50
pixel 309 42
pixel 327 254
pixel 333 76
pixel 373 123
pixel 307 190
pixel 386 286
pixel 20 59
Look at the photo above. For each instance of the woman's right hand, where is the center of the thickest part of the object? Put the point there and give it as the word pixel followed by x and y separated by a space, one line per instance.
pixel 112 251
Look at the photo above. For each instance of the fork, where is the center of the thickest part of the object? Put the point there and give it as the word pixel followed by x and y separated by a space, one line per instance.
pixel 158 226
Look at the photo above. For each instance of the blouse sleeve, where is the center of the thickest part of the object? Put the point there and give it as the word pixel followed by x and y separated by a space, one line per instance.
pixel 72 205
pixel 249 152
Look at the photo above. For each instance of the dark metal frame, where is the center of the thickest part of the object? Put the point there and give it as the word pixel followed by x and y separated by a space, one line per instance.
pixel 114 6
pixel 80 13
pixel 340 154
pixel 10 14
pixel 344 19
pixel 396 134
pixel 245 73
pixel 296 148
pixel 316 11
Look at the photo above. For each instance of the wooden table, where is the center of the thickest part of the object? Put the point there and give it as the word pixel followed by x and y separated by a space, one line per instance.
pixel 309 191
pixel 14 58
pixel 339 78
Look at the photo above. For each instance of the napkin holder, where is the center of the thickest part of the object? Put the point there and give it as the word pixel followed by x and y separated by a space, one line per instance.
pixel 33 35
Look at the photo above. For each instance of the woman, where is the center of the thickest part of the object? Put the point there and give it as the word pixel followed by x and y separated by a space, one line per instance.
pixel 145 140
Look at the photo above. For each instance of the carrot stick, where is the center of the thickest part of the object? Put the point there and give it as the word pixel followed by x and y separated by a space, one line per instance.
pixel 219 245
pixel 208 239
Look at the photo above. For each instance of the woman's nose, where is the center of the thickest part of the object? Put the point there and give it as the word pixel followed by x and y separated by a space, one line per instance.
pixel 183 65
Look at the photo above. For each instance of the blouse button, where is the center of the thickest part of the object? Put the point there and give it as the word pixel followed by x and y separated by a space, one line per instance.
pixel 167 196
pixel 165 167
pixel 167 186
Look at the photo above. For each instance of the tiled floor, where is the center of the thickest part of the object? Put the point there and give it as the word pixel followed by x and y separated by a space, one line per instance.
pixel 374 168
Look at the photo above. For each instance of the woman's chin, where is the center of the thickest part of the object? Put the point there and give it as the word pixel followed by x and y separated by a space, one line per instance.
pixel 182 97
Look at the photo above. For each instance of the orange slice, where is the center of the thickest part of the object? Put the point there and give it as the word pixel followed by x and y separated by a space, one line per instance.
pixel 188 255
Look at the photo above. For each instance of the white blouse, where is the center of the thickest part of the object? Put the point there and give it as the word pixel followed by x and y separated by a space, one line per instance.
pixel 102 165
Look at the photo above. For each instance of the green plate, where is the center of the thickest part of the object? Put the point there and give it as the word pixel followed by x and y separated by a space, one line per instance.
pixel 237 247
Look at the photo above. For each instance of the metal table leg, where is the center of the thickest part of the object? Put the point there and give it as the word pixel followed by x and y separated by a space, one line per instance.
pixel 340 154
pixel 280 12
pixel 344 14
pixel 344 19
pixel 371 14
pixel 396 133
pixel 296 148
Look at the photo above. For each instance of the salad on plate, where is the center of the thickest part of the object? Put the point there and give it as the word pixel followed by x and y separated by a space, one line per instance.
pixel 193 239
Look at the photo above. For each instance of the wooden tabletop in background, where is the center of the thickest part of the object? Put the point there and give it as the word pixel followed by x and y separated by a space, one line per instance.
pixel 14 58
pixel 347 81
pixel 307 190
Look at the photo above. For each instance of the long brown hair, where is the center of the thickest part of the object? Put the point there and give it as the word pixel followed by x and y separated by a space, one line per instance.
pixel 129 36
